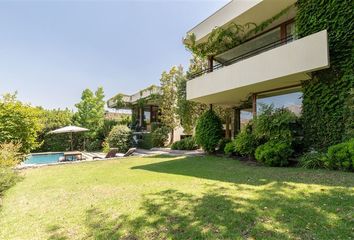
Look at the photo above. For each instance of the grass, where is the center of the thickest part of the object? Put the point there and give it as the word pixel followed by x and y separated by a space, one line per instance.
pixel 178 198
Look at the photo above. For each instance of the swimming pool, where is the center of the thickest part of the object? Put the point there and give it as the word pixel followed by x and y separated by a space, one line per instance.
pixel 43 158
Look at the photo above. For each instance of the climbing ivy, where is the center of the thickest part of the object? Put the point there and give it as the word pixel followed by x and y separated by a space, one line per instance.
pixel 223 39
pixel 325 97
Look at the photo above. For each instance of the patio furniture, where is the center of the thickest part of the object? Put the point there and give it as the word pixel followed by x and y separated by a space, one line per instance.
pixel 71 156
pixel 113 153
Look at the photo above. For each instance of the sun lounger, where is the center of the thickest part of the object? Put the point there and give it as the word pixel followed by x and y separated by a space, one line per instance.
pixel 114 153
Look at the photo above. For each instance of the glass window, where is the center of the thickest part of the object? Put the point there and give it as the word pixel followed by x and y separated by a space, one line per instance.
pixel 291 101
pixel 258 42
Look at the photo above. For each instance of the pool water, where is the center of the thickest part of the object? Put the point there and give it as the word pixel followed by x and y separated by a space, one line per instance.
pixel 43 158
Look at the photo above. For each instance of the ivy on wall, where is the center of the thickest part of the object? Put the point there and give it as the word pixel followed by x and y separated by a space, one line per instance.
pixel 326 96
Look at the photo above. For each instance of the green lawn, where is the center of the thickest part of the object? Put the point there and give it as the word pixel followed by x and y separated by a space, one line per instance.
pixel 178 198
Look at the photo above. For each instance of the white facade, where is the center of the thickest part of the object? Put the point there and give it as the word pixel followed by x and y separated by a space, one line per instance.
pixel 283 65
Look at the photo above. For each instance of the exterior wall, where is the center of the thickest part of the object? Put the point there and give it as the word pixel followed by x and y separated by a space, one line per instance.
pixel 282 66
pixel 223 16
pixel 240 12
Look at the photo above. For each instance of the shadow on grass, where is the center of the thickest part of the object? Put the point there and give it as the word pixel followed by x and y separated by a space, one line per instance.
pixel 172 214
pixel 233 171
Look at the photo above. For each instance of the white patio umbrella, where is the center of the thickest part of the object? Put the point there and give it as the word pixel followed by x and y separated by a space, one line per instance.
pixel 71 130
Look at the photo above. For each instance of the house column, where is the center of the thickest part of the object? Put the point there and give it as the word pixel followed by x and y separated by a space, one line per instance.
pixel 151 118
pixel 236 122
pixel 227 127
pixel 254 105
pixel 210 63
pixel 141 116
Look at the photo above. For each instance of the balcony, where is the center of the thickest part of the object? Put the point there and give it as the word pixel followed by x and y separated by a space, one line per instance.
pixel 283 63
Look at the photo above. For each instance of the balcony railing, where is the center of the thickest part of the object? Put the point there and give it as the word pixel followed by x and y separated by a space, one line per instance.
pixel 249 54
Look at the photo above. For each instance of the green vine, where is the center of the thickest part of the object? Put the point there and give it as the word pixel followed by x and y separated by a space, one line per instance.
pixel 223 39
pixel 119 101
pixel 325 97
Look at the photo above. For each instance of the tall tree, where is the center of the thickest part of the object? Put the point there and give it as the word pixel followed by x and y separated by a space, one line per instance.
pixel 90 112
pixel 168 98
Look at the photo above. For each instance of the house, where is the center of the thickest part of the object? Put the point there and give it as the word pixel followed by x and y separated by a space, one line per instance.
pixel 144 106
pixel 270 62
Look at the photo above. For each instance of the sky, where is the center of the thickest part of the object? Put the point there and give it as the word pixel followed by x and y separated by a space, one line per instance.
pixel 50 51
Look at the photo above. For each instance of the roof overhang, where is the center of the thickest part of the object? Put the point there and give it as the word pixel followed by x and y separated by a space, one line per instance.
pixel 240 12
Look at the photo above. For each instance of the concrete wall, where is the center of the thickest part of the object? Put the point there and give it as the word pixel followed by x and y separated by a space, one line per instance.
pixel 279 67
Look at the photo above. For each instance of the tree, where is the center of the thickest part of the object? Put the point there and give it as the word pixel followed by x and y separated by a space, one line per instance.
pixel 90 113
pixel 54 119
pixel 19 123
pixel 209 131
pixel 168 98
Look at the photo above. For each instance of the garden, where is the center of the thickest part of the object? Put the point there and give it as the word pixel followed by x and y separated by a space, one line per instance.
pixel 166 197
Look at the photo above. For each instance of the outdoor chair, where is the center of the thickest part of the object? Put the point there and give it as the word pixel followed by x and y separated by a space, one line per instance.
pixel 114 153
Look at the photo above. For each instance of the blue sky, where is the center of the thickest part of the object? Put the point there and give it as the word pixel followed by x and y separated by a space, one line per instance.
pixel 51 50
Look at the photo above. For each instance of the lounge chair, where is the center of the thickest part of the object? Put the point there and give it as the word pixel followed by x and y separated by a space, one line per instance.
pixel 113 153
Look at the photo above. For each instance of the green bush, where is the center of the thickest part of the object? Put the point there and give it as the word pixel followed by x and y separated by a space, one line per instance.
pixel 120 137
pixel 222 143
pixel 8 178
pixel 341 156
pixel 209 131
pixel 159 136
pixel 229 148
pixel 185 144
pixel 274 153
pixel 245 143
pixel 10 154
pixel 312 160
pixel 146 141
pixel 275 124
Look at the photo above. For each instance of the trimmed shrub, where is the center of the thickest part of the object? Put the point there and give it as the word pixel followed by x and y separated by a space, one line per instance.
pixel 120 137
pixel 274 153
pixel 312 160
pixel 146 141
pixel 222 144
pixel 209 131
pixel 159 136
pixel 185 144
pixel 245 143
pixel 229 148
pixel 10 154
pixel 341 156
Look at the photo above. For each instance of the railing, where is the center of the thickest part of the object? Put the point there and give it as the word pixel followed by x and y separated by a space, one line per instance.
pixel 249 54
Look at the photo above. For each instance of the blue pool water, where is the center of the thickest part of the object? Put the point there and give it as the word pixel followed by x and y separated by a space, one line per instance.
pixel 43 158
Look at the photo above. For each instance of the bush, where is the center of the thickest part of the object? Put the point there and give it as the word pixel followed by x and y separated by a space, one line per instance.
pixel 159 136
pixel 10 154
pixel 312 160
pixel 341 156
pixel 185 144
pixel 209 131
pixel 245 143
pixel 120 137
pixel 229 148
pixel 8 178
pixel 145 142
pixel 274 153
pixel 222 144
pixel 275 124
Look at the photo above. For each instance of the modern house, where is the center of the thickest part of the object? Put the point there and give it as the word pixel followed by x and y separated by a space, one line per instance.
pixel 144 107
pixel 271 62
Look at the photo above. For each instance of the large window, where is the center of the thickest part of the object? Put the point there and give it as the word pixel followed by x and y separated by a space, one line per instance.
pixel 291 101
pixel 273 36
